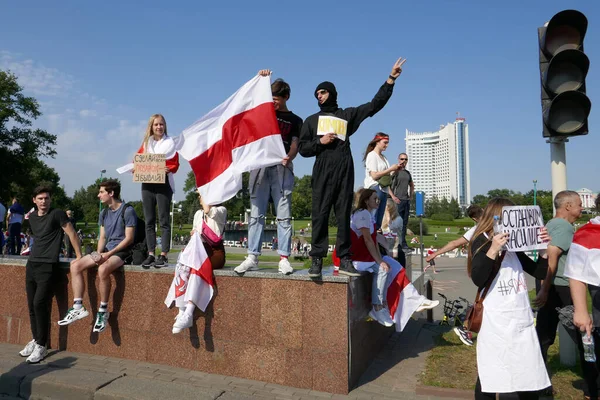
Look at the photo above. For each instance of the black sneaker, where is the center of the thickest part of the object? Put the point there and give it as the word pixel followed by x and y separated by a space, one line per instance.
pixel 161 261
pixel 316 267
pixel 149 262
pixel 347 268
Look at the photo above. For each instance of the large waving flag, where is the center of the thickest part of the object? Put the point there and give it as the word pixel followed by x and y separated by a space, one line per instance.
pixel 193 277
pixel 239 135
pixel 583 260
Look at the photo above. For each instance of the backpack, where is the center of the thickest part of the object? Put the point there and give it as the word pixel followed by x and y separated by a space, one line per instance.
pixel 139 248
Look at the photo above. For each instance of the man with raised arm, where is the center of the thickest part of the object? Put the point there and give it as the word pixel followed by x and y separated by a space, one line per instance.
pixel 325 135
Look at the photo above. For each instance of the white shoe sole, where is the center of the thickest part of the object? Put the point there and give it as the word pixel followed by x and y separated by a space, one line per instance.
pixel 82 315
pixel 374 317
pixel 433 304
pixel 462 339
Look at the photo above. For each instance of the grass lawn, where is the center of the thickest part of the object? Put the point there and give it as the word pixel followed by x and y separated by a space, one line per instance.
pixel 451 364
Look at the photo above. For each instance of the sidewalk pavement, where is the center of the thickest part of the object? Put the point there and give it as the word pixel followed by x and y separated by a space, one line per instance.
pixel 65 375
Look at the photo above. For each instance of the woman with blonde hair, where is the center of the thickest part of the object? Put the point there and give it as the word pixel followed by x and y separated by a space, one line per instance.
pixel 156 141
pixel 392 229
pixel 378 174
pixel 508 352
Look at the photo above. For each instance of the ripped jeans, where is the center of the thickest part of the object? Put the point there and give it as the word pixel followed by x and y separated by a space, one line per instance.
pixel 281 192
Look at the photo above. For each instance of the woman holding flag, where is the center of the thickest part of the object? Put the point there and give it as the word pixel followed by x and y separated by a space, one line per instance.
pixel 393 297
pixel 193 284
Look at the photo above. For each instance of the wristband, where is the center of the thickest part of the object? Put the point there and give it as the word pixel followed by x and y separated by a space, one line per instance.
pixel 393 78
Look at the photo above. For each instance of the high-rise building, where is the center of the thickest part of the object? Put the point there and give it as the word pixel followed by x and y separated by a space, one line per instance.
pixel 439 161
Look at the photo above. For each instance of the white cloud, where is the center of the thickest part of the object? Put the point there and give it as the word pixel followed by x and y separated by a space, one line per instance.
pixel 35 78
pixel 88 113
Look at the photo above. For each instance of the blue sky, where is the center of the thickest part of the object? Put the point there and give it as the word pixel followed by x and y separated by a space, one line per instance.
pixel 100 70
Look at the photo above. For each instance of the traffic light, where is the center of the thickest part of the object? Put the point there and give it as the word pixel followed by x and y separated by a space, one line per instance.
pixel 563 68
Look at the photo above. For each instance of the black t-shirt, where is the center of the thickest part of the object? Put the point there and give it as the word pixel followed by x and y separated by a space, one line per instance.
pixel 48 234
pixel 289 125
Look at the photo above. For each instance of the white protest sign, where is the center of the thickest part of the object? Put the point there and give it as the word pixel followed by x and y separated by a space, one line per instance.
pixel 149 168
pixel 328 124
pixel 523 224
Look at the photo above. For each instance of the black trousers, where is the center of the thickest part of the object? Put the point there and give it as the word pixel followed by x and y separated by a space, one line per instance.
pixel 479 395
pixel 332 187
pixel 39 281
pixel 403 211
pixel 14 239
pixel 546 324
pixel 153 195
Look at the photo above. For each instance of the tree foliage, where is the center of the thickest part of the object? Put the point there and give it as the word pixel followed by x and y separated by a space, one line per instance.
pixel 86 204
pixel 21 145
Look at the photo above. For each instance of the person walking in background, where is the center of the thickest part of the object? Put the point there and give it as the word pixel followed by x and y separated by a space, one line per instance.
pixel 2 216
pixel 431 264
pixel 378 172
pixel 333 172
pixel 159 195
pixel 70 249
pixel 392 227
pixel 401 191
pixel 14 221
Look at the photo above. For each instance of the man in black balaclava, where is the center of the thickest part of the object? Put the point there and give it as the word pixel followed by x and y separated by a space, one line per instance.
pixel 333 172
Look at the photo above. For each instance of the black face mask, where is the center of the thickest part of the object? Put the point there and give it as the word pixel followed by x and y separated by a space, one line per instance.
pixel 330 105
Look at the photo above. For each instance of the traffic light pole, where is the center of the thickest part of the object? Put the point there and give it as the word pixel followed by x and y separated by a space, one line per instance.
pixel 558 164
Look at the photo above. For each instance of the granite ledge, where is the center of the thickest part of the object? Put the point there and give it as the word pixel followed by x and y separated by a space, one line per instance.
pixel 265 273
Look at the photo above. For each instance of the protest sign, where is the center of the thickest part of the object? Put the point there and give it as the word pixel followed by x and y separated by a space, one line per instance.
pixel 328 124
pixel 523 224
pixel 149 168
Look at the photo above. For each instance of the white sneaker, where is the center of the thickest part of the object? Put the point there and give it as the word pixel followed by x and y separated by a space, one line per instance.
pixel 427 305
pixel 380 316
pixel 29 347
pixel 183 321
pixel 285 267
pixel 249 264
pixel 38 354
pixel 73 315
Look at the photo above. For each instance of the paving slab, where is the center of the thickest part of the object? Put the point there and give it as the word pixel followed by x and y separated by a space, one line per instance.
pixel 12 373
pixel 64 384
pixel 130 388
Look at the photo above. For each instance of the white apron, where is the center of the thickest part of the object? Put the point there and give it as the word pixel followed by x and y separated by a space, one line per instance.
pixel 509 358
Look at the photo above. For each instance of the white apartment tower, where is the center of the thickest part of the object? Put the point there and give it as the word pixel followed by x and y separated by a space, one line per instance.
pixel 439 161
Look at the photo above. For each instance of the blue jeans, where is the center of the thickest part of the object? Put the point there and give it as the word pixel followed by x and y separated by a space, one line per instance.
pixel 403 209
pixel 378 214
pixel 380 284
pixel 281 192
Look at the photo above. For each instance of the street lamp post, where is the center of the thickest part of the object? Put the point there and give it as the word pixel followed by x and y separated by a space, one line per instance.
pixel 173 209
pixel 102 172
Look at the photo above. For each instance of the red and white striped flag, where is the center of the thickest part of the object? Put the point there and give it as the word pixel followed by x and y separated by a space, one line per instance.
pixel 239 135
pixel 402 297
pixel 193 277
pixel 583 260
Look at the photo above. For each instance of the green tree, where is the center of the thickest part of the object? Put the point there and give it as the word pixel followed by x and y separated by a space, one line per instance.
pixel 302 197
pixel 86 204
pixel 21 146
pixel 454 208
pixel 432 206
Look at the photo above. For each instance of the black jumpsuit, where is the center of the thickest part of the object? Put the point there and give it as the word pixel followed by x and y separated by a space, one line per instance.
pixel 333 173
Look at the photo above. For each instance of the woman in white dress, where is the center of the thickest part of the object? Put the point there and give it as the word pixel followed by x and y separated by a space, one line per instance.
pixel 508 352
pixel 378 172
pixel 367 257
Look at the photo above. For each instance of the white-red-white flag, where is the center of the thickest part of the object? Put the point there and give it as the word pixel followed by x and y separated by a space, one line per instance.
pixel 583 260
pixel 240 135
pixel 193 278
pixel 402 297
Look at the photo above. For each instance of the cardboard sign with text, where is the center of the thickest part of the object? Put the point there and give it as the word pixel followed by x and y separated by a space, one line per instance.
pixel 328 124
pixel 149 168
pixel 523 223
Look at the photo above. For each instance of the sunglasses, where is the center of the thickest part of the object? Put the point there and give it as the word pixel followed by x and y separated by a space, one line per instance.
pixel 403 159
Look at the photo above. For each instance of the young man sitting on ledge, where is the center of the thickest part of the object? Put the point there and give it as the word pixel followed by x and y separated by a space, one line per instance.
pixel 117 229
